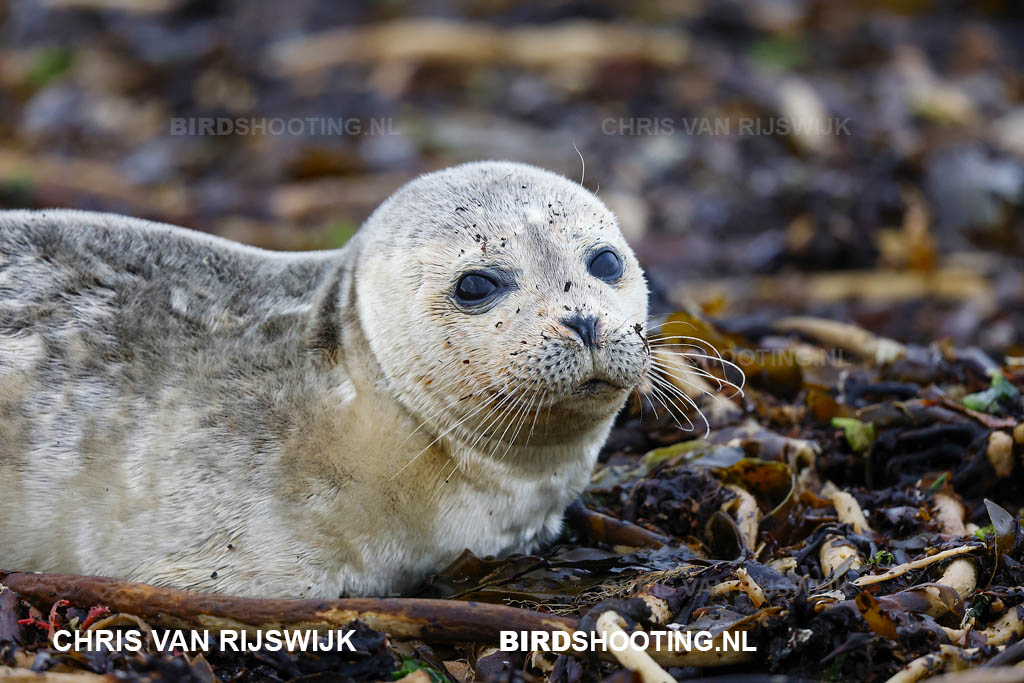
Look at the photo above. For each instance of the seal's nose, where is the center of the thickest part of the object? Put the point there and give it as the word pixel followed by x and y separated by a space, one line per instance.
pixel 585 327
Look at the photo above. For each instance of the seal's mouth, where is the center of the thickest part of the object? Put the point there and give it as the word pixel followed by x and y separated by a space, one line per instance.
pixel 596 386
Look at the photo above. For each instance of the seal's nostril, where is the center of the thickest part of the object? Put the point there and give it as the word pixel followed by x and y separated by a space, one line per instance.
pixel 585 327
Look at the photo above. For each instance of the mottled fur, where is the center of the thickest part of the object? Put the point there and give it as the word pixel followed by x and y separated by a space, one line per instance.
pixel 183 410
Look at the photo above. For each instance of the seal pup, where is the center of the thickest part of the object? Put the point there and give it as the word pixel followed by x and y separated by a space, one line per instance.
pixel 182 410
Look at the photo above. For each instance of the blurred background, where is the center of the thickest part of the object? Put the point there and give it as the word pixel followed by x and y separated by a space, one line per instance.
pixel 856 160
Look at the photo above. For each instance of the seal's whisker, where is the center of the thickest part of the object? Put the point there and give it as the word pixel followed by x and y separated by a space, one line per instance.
pixel 672 390
pixel 513 417
pixel 626 321
pixel 440 410
pixel 652 395
pixel 654 407
pixel 508 404
pixel 690 369
pixel 452 427
pixel 547 417
pixel 583 164
pixel 494 416
pixel 649 317
pixel 686 341
pixel 684 370
pixel 526 413
pixel 520 420
pixel 640 401
pixel 701 391
pixel 497 414
pixel 679 345
pixel 438 438
pixel 511 402
pixel 703 344
pixel 520 417
pixel 536 413
pixel 688 400
pixel 716 358
pixel 664 400
pixel 698 340
pixel 660 341
pixel 665 323
pixel 442 478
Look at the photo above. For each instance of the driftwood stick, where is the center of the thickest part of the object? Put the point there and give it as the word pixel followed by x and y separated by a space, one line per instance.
pixel 902 569
pixel 403 618
pixel 632 658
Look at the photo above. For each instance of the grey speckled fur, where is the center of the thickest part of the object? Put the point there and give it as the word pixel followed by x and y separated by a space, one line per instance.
pixel 183 410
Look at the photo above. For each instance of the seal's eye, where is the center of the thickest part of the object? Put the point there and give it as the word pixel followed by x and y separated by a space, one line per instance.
pixel 606 265
pixel 475 288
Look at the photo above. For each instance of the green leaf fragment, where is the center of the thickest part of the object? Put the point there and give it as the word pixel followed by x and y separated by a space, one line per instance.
pixel 860 435
pixel 883 557
pixel 48 65
pixel 779 53
pixel 978 605
pixel 660 455
pixel 988 401
pixel 410 665
pixel 938 483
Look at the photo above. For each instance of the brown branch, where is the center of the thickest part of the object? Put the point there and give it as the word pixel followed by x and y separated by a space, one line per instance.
pixel 403 618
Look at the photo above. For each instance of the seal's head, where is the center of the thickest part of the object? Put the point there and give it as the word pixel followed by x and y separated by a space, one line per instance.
pixel 500 299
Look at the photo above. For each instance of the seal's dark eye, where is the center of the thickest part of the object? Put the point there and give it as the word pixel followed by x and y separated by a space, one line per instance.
pixel 606 265
pixel 475 288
